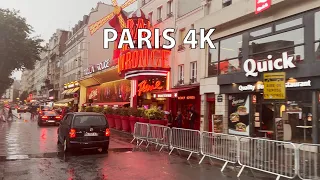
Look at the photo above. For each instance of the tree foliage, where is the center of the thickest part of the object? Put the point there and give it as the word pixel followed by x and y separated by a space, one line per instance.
pixel 18 50
pixel 24 95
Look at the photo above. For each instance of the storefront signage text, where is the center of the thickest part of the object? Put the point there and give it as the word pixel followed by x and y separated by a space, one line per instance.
pixel 71 85
pixel 237 102
pixel 93 94
pixel 262 5
pixel 145 87
pixel 144 58
pixel 163 95
pixel 186 97
pixel 251 87
pixel 252 67
pixel 98 67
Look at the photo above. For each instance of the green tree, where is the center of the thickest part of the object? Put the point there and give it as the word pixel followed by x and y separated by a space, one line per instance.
pixel 24 95
pixel 18 50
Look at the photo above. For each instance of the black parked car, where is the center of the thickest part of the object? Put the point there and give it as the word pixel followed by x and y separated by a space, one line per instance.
pixel 49 117
pixel 84 130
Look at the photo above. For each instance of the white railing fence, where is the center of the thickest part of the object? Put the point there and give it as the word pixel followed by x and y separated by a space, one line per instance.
pixel 283 159
pixel 186 140
pixel 308 161
pixel 219 146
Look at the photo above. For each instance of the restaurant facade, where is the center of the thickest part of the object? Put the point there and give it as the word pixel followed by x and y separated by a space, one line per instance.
pixel 288 43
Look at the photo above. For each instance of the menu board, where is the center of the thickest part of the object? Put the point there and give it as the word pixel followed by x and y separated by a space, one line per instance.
pixel 217 123
pixel 279 128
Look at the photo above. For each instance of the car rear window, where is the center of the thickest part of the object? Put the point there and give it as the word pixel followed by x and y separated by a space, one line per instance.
pixel 50 113
pixel 84 121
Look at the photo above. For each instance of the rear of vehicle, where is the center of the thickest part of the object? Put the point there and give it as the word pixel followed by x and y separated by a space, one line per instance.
pixel 43 109
pixel 22 109
pixel 89 132
pixel 49 117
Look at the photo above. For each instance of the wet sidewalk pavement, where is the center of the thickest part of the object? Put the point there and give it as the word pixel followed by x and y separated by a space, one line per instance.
pixel 29 152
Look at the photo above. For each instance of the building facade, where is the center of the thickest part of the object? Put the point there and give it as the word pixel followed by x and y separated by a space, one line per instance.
pixel 288 31
pixel 56 48
pixel 75 60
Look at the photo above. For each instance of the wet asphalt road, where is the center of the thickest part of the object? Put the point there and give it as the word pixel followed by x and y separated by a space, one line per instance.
pixel 29 152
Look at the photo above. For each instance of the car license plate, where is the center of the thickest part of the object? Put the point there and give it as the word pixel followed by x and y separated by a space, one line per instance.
pixel 51 121
pixel 91 134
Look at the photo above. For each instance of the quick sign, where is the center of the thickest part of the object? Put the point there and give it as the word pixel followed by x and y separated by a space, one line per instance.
pixel 251 87
pixel 262 5
pixel 252 67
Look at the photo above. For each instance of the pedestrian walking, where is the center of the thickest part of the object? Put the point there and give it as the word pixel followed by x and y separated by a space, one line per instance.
pixel 179 119
pixel 192 119
pixel 3 114
pixel 10 114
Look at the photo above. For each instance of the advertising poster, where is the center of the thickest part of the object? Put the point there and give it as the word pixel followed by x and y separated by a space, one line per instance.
pixel 238 110
pixel 117 91
pixel 217 123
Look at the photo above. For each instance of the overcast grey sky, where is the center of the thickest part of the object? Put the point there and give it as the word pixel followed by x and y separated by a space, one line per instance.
pixel 48 15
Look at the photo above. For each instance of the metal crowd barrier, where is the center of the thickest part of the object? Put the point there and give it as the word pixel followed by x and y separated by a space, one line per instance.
pixel 283 159
pixel 273 157
pixel 185 140
pixel 219 146
pixel 140 133
pixel 309 161
pixel 159 135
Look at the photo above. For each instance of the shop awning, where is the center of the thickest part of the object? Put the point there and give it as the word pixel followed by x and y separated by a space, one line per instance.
pixel 172 93
pixel 74 90
pixel 64 101
pixel 65 91
pixel 108 104
pixel 69 91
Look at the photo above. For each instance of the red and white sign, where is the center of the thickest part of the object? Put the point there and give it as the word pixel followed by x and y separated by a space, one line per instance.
pixel 262 5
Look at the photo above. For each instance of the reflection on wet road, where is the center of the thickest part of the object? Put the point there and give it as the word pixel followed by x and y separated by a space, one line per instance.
pixel 29 152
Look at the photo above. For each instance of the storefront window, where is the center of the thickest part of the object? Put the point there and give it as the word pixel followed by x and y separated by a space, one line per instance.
pixel 317 48
pixel 230 66
pixel 317 35
pixel 297 52
pixel 277 41
pixel 261 32
pixel 213 61
pixel 317 26
pixel 230 48
pixel 288 24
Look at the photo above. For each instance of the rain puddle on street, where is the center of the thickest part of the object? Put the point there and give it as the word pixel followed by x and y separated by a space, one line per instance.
pixel 61 154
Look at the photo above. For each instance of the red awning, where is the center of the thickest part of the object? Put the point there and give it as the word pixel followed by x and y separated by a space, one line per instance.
pixel 171 93
pixel 108 103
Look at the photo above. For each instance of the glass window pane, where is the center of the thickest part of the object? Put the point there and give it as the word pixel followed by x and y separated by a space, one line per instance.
pixel 317 25
pixel 230 66
pixel 289 24
pixel 213 54
pixel 297 52
pixel 317 48
pixel 213 69
pixel 85 121
pixel 278 41
pixel 261 32
pixel 230 48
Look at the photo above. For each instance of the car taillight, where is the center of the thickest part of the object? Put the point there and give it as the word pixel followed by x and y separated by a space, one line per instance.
pixel 72 133
pixel 40 113
pixel 45 117
pixel 107 132
pixel 58 117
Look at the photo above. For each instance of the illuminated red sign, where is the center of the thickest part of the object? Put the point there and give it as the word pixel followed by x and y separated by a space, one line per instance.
pixel 144 59
pixel 145 87
pixel 262 5
pixel 186 97
pixel 137 23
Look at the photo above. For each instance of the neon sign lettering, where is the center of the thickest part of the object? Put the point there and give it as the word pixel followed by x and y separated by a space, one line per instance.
pixel 134 25
pixel 145 58
pixel 145 87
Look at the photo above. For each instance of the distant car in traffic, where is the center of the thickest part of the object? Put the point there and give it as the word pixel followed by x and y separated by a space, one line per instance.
pixel 84 130
pixel 22 109
pixel 49 117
